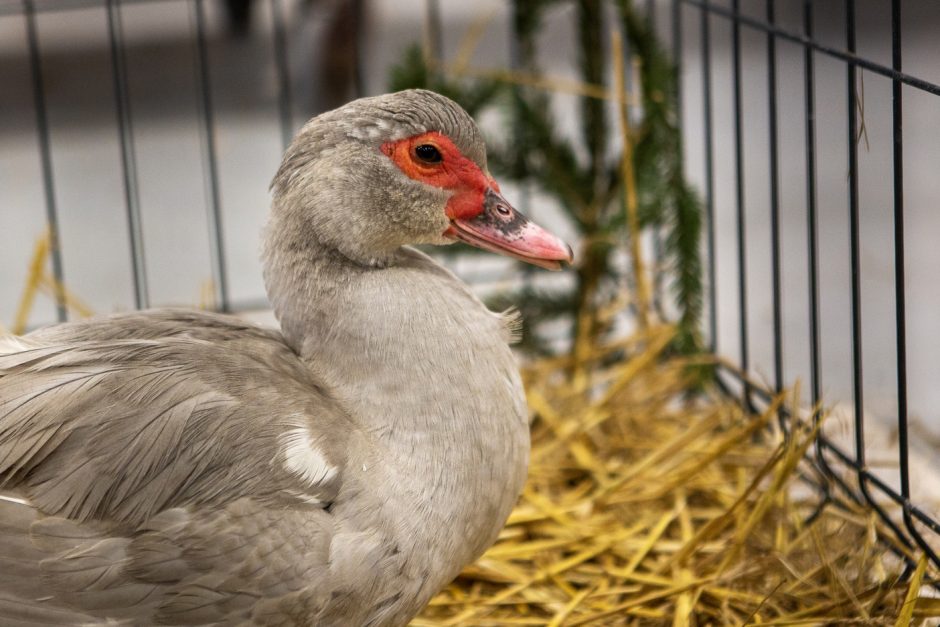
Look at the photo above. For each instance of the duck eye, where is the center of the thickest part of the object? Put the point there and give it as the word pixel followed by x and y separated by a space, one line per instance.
pixel 428 153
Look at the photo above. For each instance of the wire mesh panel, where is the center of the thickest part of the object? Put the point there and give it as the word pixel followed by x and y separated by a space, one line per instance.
pixel 150 129
pixel 806 193
pixel 174 111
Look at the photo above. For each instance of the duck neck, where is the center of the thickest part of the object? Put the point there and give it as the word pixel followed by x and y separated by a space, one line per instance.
pixel 422 367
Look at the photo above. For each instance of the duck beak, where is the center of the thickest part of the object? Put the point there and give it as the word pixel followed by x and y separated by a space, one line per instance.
pixel 501 229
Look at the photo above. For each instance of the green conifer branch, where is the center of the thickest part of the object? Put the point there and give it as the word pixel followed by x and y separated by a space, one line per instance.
pixel 591 191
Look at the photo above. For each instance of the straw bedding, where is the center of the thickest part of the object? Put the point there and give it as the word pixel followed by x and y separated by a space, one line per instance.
pixel 647 506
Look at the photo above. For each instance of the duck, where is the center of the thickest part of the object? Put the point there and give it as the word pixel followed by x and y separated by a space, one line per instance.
pixel 175 467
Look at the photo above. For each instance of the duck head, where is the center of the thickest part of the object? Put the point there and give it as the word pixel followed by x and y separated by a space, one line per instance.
pixel 400 169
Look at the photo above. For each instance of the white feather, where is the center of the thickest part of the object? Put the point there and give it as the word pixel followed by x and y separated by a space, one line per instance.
pixel 13 499
pixel 303 459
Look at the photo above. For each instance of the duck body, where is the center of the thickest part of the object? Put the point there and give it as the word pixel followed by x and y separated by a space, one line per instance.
pixel 176 467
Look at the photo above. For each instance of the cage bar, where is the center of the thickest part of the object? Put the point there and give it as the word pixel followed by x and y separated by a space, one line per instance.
pixel 706 68
pixel 849 57
pixel 128 154
pixel 774 202
pixel 897 113
pixel 210 158
pixel 285 96
pixel 45 155
pixel 737 112
pixel 829 458
pixel 677 57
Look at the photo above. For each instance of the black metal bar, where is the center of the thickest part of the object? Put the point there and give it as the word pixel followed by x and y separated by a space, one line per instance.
pixel 898 172
pixel 433 16
pixel 434 45
pixel 830 459
pixel 11 8
pixel 285 97
pixel 844 458
pixel 676 40
pixel 849 57
pixel 897 120
pixel 774 204
pixel 128 155
pixel 809 86
pixel 359 72
pixel 525 192
pixel 858 392
pixel 766 397
pixel 856 328
pixel 677 58
pixel 45 155
pixel 210 158
pixel 709 177
pixel 656 279
pixel 812 236
pixel 739 199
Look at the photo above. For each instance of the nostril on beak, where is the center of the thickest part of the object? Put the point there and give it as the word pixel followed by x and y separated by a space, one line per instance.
pixel 503 209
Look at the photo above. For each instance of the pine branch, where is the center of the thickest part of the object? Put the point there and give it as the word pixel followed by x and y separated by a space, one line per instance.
pixel 590 192
pixel 666 198
pixel 413 72
pixel 549 160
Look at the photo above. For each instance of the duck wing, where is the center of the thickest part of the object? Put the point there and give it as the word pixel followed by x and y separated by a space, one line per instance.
pixel 163 467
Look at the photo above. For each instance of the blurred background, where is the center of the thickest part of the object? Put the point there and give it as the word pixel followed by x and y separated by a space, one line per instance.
pixel 150 130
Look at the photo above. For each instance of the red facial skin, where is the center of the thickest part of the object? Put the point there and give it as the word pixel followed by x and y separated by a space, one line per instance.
pixel 455 172
pixel 478 215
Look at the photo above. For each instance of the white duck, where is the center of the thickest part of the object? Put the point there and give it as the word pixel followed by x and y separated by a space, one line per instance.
pixel 174 467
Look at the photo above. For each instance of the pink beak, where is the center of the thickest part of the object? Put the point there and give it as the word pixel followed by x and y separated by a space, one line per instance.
pixel 501 229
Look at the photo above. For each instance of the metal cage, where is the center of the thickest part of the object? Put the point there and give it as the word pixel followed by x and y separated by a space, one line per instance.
pixel 847 472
